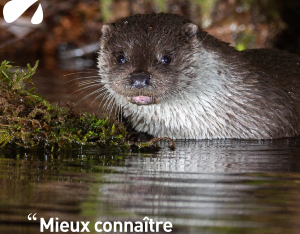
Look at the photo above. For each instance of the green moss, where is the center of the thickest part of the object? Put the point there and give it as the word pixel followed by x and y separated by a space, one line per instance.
pixel 28 120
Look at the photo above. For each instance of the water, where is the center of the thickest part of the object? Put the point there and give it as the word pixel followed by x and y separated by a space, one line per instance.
pixel 219 186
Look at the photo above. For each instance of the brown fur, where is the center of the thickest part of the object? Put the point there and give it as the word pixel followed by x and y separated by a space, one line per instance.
pixel 209 90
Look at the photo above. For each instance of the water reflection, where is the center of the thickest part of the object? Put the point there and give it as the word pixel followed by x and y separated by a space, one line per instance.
pixel 219 185
pixel 212 187
pixel 61 87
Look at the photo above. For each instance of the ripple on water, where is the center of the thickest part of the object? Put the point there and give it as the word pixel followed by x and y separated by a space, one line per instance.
pixel 227 186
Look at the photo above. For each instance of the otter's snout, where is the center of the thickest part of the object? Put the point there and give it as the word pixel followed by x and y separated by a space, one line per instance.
pixel 139 80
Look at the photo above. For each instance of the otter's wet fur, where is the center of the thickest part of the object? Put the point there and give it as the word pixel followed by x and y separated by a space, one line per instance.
pixel 208 90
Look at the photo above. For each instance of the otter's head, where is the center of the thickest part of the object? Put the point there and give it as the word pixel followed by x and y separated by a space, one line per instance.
pixel 145 59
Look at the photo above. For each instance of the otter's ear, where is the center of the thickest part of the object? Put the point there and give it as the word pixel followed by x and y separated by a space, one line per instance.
pixel 106 29
pixel 190 29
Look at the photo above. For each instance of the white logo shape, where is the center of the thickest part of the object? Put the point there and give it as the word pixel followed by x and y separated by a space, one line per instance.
pixel 15 8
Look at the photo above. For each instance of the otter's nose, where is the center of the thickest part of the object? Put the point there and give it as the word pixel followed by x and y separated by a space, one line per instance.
pixel 139 80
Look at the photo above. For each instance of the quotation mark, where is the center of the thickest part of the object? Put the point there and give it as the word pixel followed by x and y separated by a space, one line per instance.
pixel 15 8
pixel 33 217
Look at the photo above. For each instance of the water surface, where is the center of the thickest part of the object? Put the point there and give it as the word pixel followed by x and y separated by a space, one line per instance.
pixel 218 186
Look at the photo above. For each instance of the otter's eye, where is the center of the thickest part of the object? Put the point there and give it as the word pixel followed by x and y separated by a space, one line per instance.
pixel 166 59
pixel 121 59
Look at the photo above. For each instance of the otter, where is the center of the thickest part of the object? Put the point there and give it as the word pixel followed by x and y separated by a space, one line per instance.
pixel 172 79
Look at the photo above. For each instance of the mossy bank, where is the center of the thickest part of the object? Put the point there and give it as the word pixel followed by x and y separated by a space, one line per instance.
pixel 28 120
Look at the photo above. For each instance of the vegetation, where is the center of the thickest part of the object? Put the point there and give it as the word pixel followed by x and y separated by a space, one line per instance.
pixel 28 120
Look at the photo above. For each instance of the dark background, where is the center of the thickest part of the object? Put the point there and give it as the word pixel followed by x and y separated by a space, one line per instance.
pixel 72 24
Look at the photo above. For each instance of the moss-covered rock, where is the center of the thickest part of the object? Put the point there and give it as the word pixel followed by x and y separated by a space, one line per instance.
pixel 28 120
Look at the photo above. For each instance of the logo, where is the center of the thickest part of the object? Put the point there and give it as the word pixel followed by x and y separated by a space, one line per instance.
pixel 15 8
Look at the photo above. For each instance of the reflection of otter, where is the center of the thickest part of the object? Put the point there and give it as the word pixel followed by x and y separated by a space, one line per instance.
pixel 172 79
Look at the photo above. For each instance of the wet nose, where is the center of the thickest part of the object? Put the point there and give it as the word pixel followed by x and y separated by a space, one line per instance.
pixel 139 80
